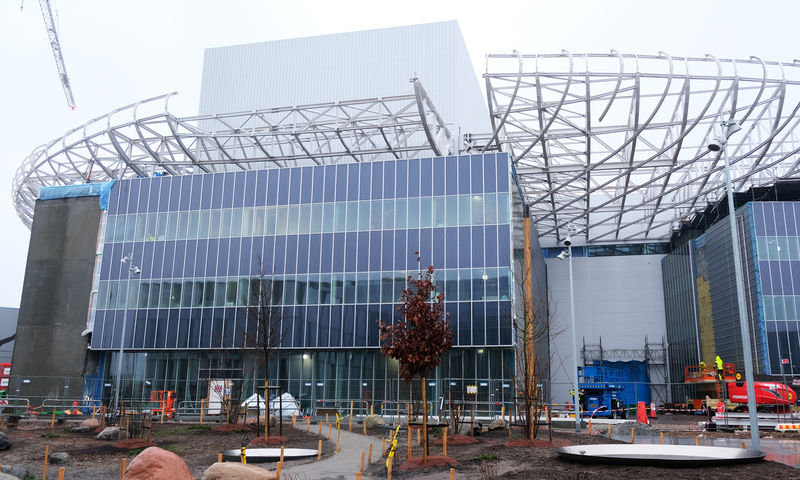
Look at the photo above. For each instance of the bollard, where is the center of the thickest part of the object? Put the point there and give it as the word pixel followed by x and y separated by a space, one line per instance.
pixel 361 469
pixel 326 418
pixel 358 475
pixel 61 473
pixel 389 470
pixel 370 409
pixel 370 454
pixel 46 455
pixel 320 429
pixel 662 438
pixel 633 435
pixel 121 469
pixel 319 450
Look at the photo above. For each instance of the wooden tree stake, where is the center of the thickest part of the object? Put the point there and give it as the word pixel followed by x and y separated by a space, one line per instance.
pixel 351 415
pixel 219 458
pixel 361 468
pixel 46 456
pixel 444 442
pixel 319 450
pixel 121 468
pixel 308 423
pixel 409 441
pixel 370 453
pixel 53 419
pixel 633 435
pixel 61 473
pixel 330 427
pixel 452 474
pixel 280 467
pixel 662 438
pixel 383 447
pixel 338 434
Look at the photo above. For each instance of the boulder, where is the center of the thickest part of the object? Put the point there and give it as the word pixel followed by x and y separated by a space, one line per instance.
pixel 90 422
pixel 497 424
pixel 82 429
pixel 374 421
pixel 5 443
pixel 7 476
pixel 157 463
pixel 237 471
pixel 59 458
pixel 108 433
pixel 15 471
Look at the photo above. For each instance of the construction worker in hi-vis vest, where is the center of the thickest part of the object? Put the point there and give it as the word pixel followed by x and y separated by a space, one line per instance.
pixel 719 367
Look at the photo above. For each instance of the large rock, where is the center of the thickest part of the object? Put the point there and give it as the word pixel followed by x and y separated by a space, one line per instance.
pixel 82 429
pixel 157 463
pixel 59 458
pixel 5 443
pixel 497 424
pixel 108 433
pixel 90 422
pixel 7 476
pixel 15 471
pixel 374 421
pixel 237 471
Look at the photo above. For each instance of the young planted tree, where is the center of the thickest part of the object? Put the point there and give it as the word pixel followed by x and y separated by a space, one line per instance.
pixel 420 337
pixel 268 328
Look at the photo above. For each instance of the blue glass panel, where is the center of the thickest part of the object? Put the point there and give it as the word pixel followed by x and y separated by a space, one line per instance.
pixel 426 177
pixel 350 252
pixel 303 253
pixel 401 179
pixel 295 183
pixel 272 187
pixel 205 191
pixel 318 184
pixel 426 247
pixel 489 173
pixel 145 196
pixel 463 175
pixel 234 251
pixel 114 199
pixel 239 180
pixel 413 178
pixel 758 218
pixel 476 162
pixel 199 267
pixel 439 179
pixel 169 259
pixel 280 254
pixel 780 220
pixel 352 181
pixel 291 254
pixel 464 325
pixel 505 323
pixel 365 180
pixel 464 247
pixel 769 219
pixel 245 260
pixel 250 186
pixel 158 260
pixel 361 326
pixel 412 247
pixel 361 252
pixel 387 250
pixel 478 323
pixel 786 278
pixel 400 250
pixel 503 246
pixel 794 269
pixel 372 326
pixel 490 245
pixel 341 183
pixel 315 244
pixel 268 253
pixel 284 185
pixel 217 329
pixel 222 256
pixel 311 321
pixel 388 179
pixel 492 326
pixel 195 326
pixel 172 330
pixel 298 326
pixel 377 181
pixel 216 190
pixel 140 327
pixel 323 317
pixel 502 172
pixel 336 326
pixel 173 186
pixel 477 247
pixel 438 248
pixel 338 249
pixel 330 183
pixel 451 176
pixel 775 274
pixel 348 321
pixel 791 221
pixel 451 248
pixel 128 197
pixel 105 266
pixel 182 335
pixel 374 251
pixel 326 253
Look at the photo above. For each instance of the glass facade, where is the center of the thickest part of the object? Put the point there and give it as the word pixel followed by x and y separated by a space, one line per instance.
pixel 334 243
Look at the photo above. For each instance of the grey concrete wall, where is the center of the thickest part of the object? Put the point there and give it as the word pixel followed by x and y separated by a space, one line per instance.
pixel 49 349
pixel 8 326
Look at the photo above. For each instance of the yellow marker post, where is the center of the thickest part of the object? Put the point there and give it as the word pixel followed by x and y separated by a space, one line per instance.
pixel 243 455
pixel 320 429
pixel 338 434
pixel 383 447
pixel 351 415
pixel 294 420
pixel 53 420
pixel 392 450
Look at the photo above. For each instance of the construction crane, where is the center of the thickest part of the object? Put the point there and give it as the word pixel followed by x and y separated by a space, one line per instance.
pixel 50 25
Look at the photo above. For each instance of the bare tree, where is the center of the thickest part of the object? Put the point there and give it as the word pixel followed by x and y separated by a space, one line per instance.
pixel 420 338
pixel 268 327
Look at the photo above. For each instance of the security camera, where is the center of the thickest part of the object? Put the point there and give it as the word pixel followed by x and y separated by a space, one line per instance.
pixel 568 240
pixel 563 255
pixel 136 270
pixel 716 145
pixel 732 127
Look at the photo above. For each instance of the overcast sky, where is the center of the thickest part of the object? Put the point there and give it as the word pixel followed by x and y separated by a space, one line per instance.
pixel 117 53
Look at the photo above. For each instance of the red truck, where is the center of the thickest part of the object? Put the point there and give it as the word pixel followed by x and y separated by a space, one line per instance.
pixel 770 396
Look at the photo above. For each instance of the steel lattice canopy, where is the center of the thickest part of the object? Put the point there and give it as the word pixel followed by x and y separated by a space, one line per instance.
pixel 616 145
pixel 145 139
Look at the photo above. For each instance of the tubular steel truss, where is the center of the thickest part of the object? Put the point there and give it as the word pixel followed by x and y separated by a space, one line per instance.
pixel 616 144
pixel 156 142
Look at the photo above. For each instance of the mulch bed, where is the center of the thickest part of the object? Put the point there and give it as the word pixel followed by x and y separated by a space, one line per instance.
pixel 524 442
pixel 271 440
pixel 457 440
pixel 133 444
pixel 434 461
pixel 232 427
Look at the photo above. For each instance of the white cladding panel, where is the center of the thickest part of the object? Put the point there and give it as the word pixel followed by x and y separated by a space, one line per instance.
pixel 620 299
pixel 348 66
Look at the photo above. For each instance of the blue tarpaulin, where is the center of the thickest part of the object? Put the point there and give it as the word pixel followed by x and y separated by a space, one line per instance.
pixel 101 190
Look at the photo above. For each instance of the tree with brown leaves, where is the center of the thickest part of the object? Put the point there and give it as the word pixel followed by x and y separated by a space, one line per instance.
pixel 420 337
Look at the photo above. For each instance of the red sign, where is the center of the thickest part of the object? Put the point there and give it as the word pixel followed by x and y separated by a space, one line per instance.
pixel 785 361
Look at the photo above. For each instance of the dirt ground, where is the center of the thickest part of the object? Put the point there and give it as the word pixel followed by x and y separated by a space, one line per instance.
pixel 490 458
pixel 94 459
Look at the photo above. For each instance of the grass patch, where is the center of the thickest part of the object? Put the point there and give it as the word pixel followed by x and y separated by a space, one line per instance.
pixel 198 428
pixel 159 433
pixel 483 458
pixel 49 435
pixel 171 447
pixel 134 452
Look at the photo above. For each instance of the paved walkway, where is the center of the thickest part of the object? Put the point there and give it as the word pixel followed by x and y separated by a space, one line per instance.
pixel 344 465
